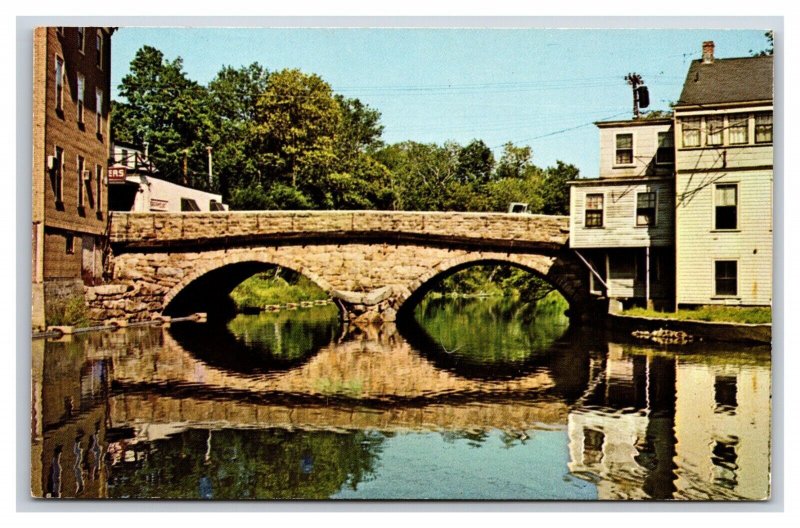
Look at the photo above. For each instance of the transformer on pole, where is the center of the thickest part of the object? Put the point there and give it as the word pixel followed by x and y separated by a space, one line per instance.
pixel 641 96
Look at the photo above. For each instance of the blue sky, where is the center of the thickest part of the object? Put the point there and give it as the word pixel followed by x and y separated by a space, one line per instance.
pixel 534 87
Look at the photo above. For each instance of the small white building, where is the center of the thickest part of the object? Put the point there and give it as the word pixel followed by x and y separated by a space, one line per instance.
pixel 622 223
pixel 134 186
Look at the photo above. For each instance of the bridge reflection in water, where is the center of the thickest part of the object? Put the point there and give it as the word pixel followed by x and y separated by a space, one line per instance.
pixel 138 413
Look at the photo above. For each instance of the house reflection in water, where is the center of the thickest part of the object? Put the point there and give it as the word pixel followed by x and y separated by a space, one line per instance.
pixel 664 426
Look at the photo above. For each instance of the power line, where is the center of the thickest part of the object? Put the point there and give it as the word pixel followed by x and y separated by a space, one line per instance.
pixel 560 131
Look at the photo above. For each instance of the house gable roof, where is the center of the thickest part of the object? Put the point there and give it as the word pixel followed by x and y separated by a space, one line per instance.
pixel 728 81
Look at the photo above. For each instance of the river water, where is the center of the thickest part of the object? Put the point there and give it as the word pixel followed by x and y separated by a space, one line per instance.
pixel 467 401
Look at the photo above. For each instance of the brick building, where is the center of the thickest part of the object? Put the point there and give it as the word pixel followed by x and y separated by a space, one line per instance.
pixel 71 148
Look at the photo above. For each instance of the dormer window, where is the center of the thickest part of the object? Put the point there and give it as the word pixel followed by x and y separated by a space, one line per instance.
pixel 624 151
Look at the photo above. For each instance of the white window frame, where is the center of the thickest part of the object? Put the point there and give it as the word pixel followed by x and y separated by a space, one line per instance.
pixel 60 73
pixel 658 146
pixel 729 128
pixel 714 207
pixel 716 295
pixel 771 128
pixel 632 149
pixel 81 98
pixel 98 108
pixel 693 119
pixel 636 210
pixel 721 131
pixel 602 210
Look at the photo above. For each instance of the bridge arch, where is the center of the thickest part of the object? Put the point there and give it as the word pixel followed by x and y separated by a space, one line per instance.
pixel 215 279
pixel 539 265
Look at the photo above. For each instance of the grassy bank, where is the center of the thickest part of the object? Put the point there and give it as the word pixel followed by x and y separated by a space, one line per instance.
pixel 275 287
pixel 727 314
pixel 66 311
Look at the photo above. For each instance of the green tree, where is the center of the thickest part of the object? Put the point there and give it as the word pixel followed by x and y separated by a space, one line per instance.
pixel 423 173
pixel 232 97
pixel 516 162
pixel 770 49
pixel 475 162
pixel 167 110
pixel 553 189
pixel 296 120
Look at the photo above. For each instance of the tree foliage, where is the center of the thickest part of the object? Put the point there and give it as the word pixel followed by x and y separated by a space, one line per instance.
pixel 285 140
pixel 167 110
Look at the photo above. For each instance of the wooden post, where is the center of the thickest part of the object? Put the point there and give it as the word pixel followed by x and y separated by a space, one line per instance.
pixel 647 279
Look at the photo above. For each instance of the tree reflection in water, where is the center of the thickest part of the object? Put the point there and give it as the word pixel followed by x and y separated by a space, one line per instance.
pixel 263 343
pixel 482 338
pixel 248 464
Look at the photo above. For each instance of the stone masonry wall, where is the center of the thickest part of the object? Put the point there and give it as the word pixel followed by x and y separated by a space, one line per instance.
pixel 163 228
pixel 369 280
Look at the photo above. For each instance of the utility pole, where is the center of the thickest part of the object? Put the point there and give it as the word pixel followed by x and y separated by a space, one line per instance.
pixel 210 167
pixel 186 166
pixel 641 97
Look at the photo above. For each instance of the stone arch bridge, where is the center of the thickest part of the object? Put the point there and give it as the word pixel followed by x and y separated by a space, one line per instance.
pixel 373 263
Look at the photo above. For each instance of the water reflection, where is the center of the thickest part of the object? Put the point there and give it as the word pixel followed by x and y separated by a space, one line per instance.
pixel 376 413
pixel 244 464
pixel 482 338
pixel 261 343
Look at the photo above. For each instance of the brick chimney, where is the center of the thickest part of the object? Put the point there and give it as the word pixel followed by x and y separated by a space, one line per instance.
pixel 708 52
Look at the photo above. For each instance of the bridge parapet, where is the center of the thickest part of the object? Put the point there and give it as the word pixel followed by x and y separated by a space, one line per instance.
pixel 154 229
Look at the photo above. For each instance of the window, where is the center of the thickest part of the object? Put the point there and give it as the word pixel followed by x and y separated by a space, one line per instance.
pixel 725 391
pixel 59 83
pixel 99 47
pixel 725 205
pixel 725 277
pixel 81 163
pixel 646 209
pixel 214 205
pixel 70 244
pixel 81 38
pixel 81 91
pixel 98 173
pixel 594 210
pixel 714 126
pixel 124 159
pixel 737 129
pixel 691 131
pixel 58 175
pixel 764 127
pixel 98 109
pixel 666 148
pixel 187 204
pixel 624 153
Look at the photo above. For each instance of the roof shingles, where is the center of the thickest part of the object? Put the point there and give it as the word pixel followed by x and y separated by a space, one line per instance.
pixel 728 81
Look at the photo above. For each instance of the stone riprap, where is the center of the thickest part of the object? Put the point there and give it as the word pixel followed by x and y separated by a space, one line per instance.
pixel 370 263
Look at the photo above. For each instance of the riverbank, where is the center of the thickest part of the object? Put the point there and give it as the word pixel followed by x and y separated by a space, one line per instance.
pixel 698 329
pixel 275 288
pixel 716 314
